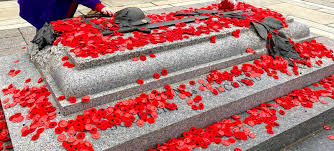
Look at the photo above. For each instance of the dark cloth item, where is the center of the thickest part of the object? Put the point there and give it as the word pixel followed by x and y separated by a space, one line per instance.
pixel 39 12
pixel 44 36
pixel 131 16
pixel 279 44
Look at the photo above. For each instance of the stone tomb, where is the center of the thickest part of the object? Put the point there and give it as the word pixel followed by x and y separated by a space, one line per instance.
pixel 113 76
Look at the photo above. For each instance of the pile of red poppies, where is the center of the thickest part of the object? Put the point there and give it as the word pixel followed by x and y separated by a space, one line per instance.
pixel 88 41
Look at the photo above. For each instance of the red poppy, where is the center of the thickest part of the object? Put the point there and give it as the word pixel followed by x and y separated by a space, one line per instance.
pixel 85 99
pixel 27 80
pixel 80 135
pixel 60 98
pixel 152 55
pixel 213 39
pixel 72 99
pixel 142 57
pixel 156 75
pixel 64 58
pixel 164 72
pixel 192 82
pixel 40 80
pixel 140 81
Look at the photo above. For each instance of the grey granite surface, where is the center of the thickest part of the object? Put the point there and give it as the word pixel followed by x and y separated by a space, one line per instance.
pixel 169 124
pixel 117 80
pixel 317 141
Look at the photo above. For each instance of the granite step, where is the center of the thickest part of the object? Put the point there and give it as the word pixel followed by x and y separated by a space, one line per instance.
pixel 169 124
pixel 297 123
pixel 317 141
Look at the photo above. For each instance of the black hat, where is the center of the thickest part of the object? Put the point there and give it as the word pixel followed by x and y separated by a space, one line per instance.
pixel 131 15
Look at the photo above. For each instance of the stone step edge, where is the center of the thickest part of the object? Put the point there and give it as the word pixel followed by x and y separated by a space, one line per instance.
pixel 67 108
pixel 312 119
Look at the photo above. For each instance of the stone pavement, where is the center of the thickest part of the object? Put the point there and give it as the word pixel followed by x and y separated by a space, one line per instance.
pixel 318 14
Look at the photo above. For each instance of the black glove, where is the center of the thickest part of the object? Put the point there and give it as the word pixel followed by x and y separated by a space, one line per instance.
pixel 44 36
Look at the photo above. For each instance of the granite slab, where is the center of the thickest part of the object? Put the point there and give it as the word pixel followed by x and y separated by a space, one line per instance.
pixel 169 124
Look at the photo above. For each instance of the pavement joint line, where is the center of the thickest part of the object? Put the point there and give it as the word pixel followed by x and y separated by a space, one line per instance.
pixel 154 4
pixel 23 36
pixel 317 27
pixel 314 4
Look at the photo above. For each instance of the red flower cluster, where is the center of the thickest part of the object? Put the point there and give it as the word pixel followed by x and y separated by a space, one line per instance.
pixel 123 112
pixel 4 133
pixel 41 110
pixel 88 40
pixel 13 72
pixel 226 5
pixel 198 137
pixel 236 33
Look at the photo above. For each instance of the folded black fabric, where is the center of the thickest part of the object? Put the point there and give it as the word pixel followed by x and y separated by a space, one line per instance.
pixel 44 36
pixel 278 44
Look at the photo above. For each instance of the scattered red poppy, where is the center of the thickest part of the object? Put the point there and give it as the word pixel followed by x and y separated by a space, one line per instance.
pixel 140 81
pixel 17 61
pixel 72 99
pixel 192 82
pixel 235 84
pixel 164 72
pixel 213 39
pixel 85 99
pixel 152 55
pixel 326 127
pixel 156 75
pixel 40 80
pixel 236 33
pixel 249 50
pixel 142 57
pixel 135 59
pixel 27 80
pixel 64 58
pixel 60 98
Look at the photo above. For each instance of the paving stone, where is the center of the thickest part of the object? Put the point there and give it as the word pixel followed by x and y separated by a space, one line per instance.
pixel 9 33
pixel 11 42
pixel 304 13
pixel 28 33
pixel 262 3
pixel 11 51
pixel 118 3
pixel 164 10
pixel 327 11
pixel 8 4
pixel 156 8
pixel 315 25
pixel 9 13
pixel 322 33
pixel 12 21
pixel 187 3
pixel 302 4
pixel 6 27
pixel 329 3
pixel 167 2
pixel 196 5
